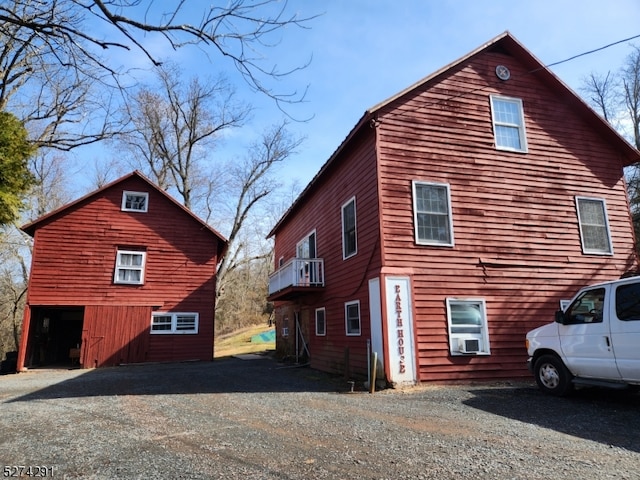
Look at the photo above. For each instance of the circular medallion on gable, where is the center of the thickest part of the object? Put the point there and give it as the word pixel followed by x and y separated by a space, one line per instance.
pixel 503 72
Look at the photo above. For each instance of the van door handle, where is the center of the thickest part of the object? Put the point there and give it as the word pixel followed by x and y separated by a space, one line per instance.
pixel 606 339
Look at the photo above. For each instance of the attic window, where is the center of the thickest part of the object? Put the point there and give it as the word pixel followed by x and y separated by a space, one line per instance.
pixel 508 124
pixel 135 201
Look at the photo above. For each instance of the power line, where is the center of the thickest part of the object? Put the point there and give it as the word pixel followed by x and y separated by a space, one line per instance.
pixel 543 67
pixel 593 51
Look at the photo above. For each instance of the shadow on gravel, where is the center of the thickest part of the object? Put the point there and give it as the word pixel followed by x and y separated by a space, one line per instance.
pixel 230 375
pixel 605 416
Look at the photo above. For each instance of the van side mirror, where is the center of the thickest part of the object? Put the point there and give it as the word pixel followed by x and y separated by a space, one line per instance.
pixel 561 317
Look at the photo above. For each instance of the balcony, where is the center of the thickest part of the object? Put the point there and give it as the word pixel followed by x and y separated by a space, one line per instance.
pixel 297 276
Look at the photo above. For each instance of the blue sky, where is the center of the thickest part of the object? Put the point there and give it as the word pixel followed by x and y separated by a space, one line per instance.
pixel 363 52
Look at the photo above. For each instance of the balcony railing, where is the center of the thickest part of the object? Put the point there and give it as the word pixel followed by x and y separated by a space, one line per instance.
pixel 298 272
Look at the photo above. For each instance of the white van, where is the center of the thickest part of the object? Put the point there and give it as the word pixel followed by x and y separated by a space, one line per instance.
pixel 594 341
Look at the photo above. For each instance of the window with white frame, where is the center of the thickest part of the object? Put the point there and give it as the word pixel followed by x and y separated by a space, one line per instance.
pixel 349 237
pixel 352 317
pixel 321 324
pixel 594 226
pixel 432 217
pixel 130 267
pixel 174 323
pixel 467 322
pixel 308 271
pixel 306 248
pixel 508 124
pixel 135 201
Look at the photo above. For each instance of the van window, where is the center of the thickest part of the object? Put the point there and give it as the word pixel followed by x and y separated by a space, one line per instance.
pixel 587 308
pixel 628 302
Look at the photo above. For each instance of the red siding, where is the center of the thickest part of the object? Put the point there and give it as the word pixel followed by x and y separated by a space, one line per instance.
pixel 345 280
pixel 112 335
pixel 517 241
pixel 73 265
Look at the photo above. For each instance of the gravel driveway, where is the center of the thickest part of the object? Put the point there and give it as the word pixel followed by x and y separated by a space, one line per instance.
pixel 238 419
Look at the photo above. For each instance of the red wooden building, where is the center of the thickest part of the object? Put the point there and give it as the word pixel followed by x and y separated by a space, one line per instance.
pixel 123 275
pixel 453 218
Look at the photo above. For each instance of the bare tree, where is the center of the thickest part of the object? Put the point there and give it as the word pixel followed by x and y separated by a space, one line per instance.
pixel 59 105
pixel 617 98
pixel 601 93
pixel 176 127
pixel 630 79
pixel 66 32
pixel 49 192
pixel 253 181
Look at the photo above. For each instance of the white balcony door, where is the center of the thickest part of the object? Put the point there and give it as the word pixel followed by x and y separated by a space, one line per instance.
pixel 306 248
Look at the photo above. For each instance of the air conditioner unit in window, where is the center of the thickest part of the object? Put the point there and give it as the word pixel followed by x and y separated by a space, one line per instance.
pixel 468 345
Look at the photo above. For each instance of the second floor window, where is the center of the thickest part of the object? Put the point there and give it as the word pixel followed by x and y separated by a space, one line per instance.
pixel 349 240
pixel 594 227
pixel 432 214
pixel 130 267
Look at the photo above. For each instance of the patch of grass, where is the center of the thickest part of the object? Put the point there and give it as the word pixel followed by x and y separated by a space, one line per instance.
pixel 239 342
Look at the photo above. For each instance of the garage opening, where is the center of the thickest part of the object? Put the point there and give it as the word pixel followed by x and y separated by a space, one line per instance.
pixel 55 337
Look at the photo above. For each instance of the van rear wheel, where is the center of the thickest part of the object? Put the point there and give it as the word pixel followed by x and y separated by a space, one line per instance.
pixel 552 376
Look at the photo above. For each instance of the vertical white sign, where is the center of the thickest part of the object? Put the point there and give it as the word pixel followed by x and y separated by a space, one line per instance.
pixel 400 330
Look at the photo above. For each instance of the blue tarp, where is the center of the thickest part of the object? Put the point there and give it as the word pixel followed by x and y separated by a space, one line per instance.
pixel 265 337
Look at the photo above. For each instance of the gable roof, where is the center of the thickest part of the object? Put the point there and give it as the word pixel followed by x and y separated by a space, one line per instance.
pixel 509 44
pixel 30 228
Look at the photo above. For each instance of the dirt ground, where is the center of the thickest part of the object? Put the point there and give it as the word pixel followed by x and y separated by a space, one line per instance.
pixel 255 418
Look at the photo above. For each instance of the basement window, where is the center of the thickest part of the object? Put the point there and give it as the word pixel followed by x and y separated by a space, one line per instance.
pixel 174 323
pixel 135 201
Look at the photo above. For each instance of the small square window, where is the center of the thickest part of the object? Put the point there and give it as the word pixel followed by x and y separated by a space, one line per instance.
pixel 135 201
pixel 352 317
pixel 594 226
pixel 321 325
pixel 467 322
pixel 174 323
pixel 130 267
pixel 508 124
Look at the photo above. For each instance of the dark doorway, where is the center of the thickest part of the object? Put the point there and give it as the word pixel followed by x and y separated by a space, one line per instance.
pixel 56 336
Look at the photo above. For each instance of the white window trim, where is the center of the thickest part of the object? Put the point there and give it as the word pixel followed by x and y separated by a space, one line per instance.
pixel 454 338
pixel 174 323
pixel 522 131
pixel 355 219
pixel 119 267
pixel 124 201
pixel 306 238
pixel 346 319
pixel 324 312
pixel 585 250
pixel 419 241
